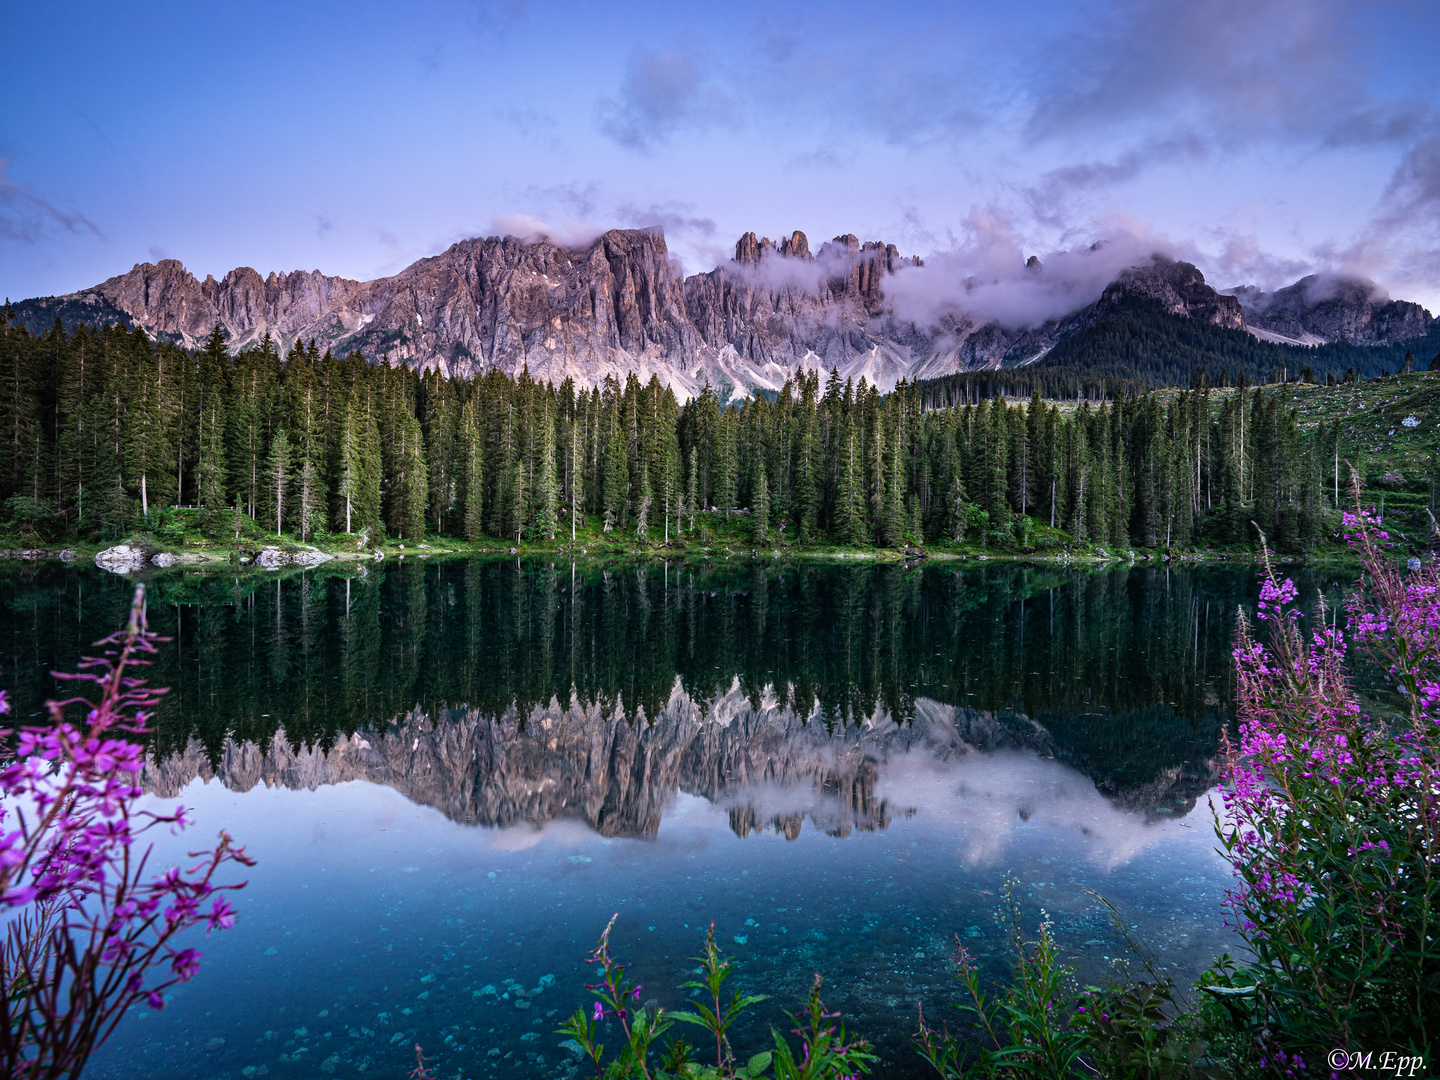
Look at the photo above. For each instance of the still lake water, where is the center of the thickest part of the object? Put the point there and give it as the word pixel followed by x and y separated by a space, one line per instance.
pixel 453 774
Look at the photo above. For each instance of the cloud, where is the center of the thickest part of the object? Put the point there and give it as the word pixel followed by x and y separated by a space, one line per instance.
pixel 662 89
pixel 694 234
pixel 1052 198
pixel 985 276
pixel 578 200
pixel 323 225
pixel 27 217
pixel 1414 190
pixel 569 234
pixel 1236 68
pixel 1183 83
pixel 496 18
pixel 676 218
pixel 1401 242
pixel 1243 261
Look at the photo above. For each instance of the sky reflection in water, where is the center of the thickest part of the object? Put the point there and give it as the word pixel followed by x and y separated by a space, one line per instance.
pixel 432 871
pixel 372 923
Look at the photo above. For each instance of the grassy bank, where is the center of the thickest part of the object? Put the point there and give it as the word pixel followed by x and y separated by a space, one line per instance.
pixel 183 542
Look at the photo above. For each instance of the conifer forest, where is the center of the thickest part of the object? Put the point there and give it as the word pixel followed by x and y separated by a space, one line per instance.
pixel 103 427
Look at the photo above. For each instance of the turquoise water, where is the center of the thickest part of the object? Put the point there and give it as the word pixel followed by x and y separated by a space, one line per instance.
pixel 454 774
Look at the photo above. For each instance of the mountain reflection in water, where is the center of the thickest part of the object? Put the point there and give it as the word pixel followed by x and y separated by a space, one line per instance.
pixel 502 692
pixel 769 768
pixel 453 773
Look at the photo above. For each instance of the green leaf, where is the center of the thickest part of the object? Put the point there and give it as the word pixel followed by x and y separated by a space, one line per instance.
pixel 759 1063
pixel 705 1021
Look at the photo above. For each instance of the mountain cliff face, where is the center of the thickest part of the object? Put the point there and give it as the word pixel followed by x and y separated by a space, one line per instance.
pixel 1179 288
pixel 766 765
pixel 621 306
pixel 1316 310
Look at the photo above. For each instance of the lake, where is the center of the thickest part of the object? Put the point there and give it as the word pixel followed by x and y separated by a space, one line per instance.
pixel 453 773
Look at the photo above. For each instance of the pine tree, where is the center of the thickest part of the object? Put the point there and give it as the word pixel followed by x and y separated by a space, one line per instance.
pixel 891 521
pixel 692 489
pixel 642 506
pixel 210 462
pixel 546 497
pixel 615 493
pixel 474 478
pixel 760 504
pixel 368 480
pixel 849 504
pixel 351 467
pixel 516 501
pixel 307 510
pixel 411 480
pixel 959 509
pixel 577 474
pixel 277 481
pixel 144 431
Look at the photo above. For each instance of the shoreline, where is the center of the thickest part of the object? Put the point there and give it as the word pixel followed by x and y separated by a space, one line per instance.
pixel 135 557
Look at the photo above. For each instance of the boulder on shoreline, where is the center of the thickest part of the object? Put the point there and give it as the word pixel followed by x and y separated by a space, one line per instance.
pixel 121 559
pixel 272 558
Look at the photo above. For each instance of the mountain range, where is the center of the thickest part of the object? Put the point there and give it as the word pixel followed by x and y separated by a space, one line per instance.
pixel 622 305
pixel 768 766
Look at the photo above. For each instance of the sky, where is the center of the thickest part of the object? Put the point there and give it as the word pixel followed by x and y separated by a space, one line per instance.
pixel 1260 139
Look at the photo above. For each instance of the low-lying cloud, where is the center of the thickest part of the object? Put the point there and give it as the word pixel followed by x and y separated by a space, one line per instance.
pixel 566 234
pixel 985 277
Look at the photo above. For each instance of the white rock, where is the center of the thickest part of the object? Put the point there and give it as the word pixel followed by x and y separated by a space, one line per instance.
pixel 121 559
pixel 271 558
pixel 164 558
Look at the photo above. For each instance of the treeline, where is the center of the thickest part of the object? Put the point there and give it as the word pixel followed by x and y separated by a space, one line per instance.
pixel 103 428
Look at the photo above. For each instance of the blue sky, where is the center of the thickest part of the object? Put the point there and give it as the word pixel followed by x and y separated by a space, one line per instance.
pixel 1262 139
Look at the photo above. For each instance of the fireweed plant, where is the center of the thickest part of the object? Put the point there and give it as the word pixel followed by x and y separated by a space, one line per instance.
pixel 1041 1026
pixel 1025 1030
pixel 1331 822
pixel 89 930
pixel 826 1051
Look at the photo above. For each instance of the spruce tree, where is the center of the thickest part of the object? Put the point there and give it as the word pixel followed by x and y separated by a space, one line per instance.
pixel 474 459
pixel 546 497
pixel 959 509
pixel 760 504
pixel 577 474
pixel 350 469
pixel 277 481
pixel 369 480
pixel 892 517
pixel 692 489
pixel 615 493
pixel 849 505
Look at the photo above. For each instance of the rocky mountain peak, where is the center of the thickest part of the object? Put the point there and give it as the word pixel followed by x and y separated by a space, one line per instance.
pixel 750 250
pixel 796 246
pixel 1320 308
pixel 620 305
pixel 1180 288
